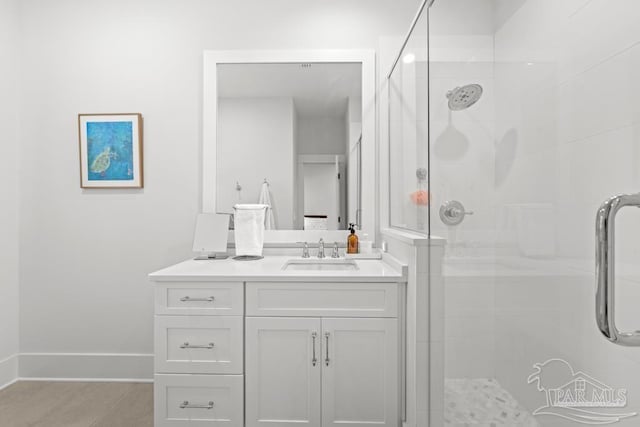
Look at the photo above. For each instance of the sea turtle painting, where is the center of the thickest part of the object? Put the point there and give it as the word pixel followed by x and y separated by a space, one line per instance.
pixel 102 161
pixel 110 151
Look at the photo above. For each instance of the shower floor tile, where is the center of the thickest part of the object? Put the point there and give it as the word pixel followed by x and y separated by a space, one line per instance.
pixel 482 402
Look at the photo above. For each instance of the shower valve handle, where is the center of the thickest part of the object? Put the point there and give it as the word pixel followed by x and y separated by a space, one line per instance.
pixel 452 212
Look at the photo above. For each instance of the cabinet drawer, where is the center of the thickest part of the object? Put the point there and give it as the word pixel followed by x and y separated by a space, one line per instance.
pixel 198 400
pixel 199 344
pixel 322 299
pixel 218 299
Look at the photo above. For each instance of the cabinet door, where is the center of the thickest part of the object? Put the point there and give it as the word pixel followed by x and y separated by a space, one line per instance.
pixel 360 372
pixel 282 379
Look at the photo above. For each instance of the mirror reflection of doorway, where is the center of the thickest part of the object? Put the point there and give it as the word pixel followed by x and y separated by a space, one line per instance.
pixel 322 179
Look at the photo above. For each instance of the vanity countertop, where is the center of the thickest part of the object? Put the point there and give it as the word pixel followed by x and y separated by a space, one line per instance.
pixel 270 269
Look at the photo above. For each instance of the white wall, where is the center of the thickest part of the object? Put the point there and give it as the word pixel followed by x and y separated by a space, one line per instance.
pixel 256 141
pixel 322 135
pixel 86 254
pixel 9 196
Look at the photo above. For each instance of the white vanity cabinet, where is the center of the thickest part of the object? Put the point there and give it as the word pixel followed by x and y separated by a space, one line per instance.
pixel 258 346
pixel 322 371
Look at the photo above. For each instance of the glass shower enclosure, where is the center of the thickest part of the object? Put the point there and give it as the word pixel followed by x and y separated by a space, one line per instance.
pixel 514 135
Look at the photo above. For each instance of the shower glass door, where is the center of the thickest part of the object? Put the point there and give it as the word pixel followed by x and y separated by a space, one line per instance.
pixel 533 124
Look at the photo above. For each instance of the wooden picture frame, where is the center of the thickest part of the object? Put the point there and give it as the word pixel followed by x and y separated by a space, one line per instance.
pixel 110 150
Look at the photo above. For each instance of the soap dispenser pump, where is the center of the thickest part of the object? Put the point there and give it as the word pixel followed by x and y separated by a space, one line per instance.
pixel 352 240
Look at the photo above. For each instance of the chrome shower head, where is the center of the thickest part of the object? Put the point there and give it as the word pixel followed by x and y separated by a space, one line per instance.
pixel 464 97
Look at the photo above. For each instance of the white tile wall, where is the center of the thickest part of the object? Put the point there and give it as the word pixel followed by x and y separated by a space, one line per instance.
pixel 565 78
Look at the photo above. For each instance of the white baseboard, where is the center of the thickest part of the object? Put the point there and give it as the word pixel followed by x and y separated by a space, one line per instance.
pixel 8 371
pixel 86 380
pixel 86 367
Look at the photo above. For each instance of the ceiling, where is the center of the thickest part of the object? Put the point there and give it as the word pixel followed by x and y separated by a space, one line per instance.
pixel 317 89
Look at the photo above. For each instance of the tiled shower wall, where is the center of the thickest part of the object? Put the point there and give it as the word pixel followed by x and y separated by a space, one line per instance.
pixel 567 112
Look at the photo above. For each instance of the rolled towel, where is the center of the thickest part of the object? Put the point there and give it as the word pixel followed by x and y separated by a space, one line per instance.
pixel 249 229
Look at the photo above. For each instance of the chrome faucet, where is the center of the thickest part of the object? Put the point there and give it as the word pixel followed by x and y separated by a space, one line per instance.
pixel 305 250
pixel 321 249
pixel 335 253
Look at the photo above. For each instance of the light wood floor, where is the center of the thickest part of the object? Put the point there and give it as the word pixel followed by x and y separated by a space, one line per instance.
pixel 76 404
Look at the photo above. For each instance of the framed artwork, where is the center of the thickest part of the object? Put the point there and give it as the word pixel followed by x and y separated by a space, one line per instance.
pixel 110 150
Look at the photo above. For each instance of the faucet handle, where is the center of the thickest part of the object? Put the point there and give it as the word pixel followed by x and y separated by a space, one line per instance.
pixel 335 253
pixel 305 250
pixel 321 248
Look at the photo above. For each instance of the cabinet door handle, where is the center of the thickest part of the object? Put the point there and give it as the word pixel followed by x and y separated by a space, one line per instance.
pixel 207 346
pixel 326 359
pixel 187 405
pixel 189 299
pixel 314 360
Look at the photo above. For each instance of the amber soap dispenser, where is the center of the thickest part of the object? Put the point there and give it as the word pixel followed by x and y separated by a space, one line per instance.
pixel 352 241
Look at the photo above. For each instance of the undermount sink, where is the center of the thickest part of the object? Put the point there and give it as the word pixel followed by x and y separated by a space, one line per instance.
pixel 324 264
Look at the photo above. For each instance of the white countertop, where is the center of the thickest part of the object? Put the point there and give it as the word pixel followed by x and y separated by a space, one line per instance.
pixel 269 269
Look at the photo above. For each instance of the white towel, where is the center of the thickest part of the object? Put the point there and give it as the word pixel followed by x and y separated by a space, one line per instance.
pixel 249 229
pixel 265 199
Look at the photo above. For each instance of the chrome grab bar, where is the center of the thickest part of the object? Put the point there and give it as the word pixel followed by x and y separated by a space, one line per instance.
pixel 187 405
pixel 605 270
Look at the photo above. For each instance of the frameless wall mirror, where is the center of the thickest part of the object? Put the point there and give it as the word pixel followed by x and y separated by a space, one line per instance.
pixel 294 130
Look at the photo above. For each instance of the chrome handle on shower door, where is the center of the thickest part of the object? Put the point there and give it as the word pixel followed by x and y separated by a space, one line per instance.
pixel 605 270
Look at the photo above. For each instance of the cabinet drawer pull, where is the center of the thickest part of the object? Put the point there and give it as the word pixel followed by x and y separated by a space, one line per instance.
pixel 314 361
pixel 187 405
pixel 189 299
pixel 207 346
pixel 326 359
